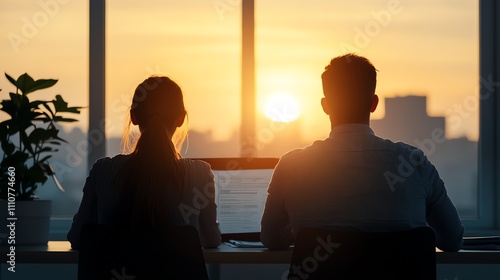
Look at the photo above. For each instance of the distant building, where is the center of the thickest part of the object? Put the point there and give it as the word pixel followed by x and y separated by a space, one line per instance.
pixel 406 120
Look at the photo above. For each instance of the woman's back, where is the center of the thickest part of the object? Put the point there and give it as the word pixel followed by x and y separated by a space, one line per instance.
pixel 152 185
pixel 195 206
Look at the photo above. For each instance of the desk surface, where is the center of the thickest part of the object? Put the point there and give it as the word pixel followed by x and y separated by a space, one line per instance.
pixel 60 252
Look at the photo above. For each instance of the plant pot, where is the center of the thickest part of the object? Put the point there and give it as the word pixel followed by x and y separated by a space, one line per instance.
pixel 30 224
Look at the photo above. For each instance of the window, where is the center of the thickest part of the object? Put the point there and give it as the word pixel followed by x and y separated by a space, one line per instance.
pixel 430 56
pixel 489 145
pixel 49 40
pixel 197 44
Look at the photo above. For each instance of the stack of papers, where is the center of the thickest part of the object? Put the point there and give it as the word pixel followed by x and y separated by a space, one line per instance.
pixel 244 244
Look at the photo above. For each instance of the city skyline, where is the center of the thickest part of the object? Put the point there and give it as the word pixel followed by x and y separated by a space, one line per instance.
pixel 454 158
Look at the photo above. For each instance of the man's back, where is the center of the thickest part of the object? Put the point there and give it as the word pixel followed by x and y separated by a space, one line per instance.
pixel 357 180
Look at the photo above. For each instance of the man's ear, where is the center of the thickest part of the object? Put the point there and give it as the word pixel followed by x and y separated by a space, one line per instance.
pixel 374 103
pixel 133 117
pixel 326 106
pixel 181 119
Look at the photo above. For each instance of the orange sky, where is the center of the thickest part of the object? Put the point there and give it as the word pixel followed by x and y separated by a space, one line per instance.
pixel 419 47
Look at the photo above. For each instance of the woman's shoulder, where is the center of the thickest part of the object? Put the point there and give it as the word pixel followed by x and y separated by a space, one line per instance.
pixel 105 164
pixel 195 164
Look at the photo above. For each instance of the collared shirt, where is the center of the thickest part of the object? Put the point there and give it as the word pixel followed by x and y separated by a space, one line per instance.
pixel 359 181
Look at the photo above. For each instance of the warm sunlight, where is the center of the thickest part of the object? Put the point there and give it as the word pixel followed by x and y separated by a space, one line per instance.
pixel 282 107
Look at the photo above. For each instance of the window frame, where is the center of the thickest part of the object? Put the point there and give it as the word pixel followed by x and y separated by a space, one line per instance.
pixel 488 222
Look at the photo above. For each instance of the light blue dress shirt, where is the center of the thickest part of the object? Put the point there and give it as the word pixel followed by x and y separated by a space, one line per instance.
pixel 359 181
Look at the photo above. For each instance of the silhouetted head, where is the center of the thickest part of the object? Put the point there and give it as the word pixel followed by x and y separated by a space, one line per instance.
pixel 157 105
pixel 349 83
pixel 158 97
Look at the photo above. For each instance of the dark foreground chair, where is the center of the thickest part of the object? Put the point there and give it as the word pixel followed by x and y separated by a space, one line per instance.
pixel 331 254
pixel 173 253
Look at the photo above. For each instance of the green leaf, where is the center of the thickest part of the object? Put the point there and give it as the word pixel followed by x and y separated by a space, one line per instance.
pixel 43 160
pixel 4 130
pixel 62 106
pixel 62 140
pixel 45 150
pixel 24 83
pixel 48 109
pixel 11 80
pixel 35 174
pixel 34 104
pixel 8 147
pixel 18 158
pixel 57 138
pixel 26 142
pixel 21 110
pixel 39 135
pixel 18 99
pixel 40 84
pixel 46 118
pixel 61 119
pixel 8 127
pixel 56 142
pixel 35 115
pixel 9 107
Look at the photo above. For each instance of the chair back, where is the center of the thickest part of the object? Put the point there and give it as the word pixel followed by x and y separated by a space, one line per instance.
pixel 172 253
pixel 342 254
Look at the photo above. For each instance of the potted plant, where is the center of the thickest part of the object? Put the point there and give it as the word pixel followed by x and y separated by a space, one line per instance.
pixel 28 139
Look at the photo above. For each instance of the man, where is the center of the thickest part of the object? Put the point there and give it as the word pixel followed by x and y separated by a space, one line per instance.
pixel 354 179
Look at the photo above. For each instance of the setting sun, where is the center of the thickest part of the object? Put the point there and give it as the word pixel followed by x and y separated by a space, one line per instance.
pixel 282 107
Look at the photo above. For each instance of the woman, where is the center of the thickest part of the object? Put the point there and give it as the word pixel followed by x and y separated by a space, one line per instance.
pixel 152 185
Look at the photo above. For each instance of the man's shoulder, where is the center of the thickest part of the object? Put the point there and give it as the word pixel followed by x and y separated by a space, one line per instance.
pixel 404 151
pixel 299 154
pixel 318 148
pixel 402 147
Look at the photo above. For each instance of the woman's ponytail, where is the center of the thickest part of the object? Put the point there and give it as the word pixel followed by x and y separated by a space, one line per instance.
pixel 154 174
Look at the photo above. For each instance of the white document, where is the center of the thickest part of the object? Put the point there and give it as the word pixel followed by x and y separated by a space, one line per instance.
pixel 240 197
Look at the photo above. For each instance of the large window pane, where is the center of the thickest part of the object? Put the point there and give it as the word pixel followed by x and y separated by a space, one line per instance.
pixel 197 44
pixel 49 40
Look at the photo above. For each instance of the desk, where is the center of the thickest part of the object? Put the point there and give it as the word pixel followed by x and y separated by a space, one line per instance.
pixel 60 252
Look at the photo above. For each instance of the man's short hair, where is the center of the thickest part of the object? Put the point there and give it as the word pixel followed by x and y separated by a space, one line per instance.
pixel 350 80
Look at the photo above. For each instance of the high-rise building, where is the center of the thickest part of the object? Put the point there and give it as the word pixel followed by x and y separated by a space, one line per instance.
pixel 406 120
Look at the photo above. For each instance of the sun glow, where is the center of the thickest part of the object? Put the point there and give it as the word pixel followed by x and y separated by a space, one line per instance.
pixel 282 107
